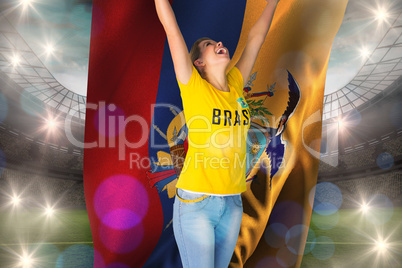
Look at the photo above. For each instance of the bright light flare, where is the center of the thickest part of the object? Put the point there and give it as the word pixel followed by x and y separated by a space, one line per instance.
pixel 365 208
pixel 364 53
pixel 25 3
pixel 26 261
pixel 381 245
pixel 341 123
pixel 49 211
pixel 381 15
pixel 16 200
pixel 49 49
pixel 15 60
pixel 51 124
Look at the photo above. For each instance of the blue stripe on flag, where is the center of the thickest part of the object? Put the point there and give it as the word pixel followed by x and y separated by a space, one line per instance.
pixel 220 21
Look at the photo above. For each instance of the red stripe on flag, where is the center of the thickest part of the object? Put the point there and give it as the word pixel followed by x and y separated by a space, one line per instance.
pixel 159 176
pixel 127 42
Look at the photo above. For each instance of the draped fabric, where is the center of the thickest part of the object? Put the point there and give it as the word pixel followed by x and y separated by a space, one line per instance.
pixel 135 130
pixel 299 41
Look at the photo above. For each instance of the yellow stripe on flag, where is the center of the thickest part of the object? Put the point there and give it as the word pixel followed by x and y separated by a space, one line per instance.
pixel 299 40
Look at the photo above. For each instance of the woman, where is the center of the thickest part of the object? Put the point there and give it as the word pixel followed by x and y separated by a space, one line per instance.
pixel 208 208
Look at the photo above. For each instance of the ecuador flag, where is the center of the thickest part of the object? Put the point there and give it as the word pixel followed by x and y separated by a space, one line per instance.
pixel 136 134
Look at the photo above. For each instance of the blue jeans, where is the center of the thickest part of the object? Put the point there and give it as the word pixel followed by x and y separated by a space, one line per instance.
pixel 206 228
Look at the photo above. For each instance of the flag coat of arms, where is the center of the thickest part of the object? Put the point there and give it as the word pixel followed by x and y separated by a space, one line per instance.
pixel 136 133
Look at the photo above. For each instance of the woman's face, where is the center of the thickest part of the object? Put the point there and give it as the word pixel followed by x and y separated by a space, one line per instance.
pixel 212 52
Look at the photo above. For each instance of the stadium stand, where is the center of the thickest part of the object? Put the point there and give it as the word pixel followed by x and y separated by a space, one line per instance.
pixel 355 190
pixel 393 146
pixel 14 148
pixel 20 149
pixel 359 158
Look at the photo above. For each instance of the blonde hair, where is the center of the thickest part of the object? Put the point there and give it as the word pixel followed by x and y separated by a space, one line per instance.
pixel 195 51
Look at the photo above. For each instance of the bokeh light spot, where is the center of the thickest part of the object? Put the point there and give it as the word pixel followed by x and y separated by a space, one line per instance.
pixel 328 198
pixel 285 257
pixel 385 161
pixel 121 193
pixel 325 222
pixel 325 208
pixel 324 248
pixel 121 219
pixel 46 255
pixel 308 247
pixel 275 234
pixel 294 236
pixel 78 256
pixel 381 209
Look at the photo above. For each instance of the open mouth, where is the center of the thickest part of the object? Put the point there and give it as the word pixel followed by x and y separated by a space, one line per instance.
pixel 221 51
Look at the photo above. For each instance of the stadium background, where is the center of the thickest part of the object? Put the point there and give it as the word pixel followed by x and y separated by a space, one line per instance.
pixel 43 222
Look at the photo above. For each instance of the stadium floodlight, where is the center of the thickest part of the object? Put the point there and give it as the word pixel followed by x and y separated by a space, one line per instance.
pixel 49 211
pixel 381 15
pixel 25 3
pixel 51 124
pixel 341 123
pixel 26 261
pixel 15 60
pixel 15 200
pixel 49 48
pixel 364 52
pixel 365 208
pixel 381 245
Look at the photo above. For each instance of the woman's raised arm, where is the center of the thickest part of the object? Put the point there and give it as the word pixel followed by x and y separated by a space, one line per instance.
pixel 178 49
pixel 255 40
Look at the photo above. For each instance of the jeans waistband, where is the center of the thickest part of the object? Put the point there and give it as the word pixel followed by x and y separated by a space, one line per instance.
pixel 193 200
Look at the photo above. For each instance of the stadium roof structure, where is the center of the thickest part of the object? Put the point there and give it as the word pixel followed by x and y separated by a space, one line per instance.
pixel 381 70
pixel 21 64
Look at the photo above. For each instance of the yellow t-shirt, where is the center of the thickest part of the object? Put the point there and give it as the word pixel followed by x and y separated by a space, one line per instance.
pixel 217 124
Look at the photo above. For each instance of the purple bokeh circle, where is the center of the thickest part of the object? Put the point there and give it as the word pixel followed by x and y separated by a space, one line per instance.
pixel 121 197
pixel 121 219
